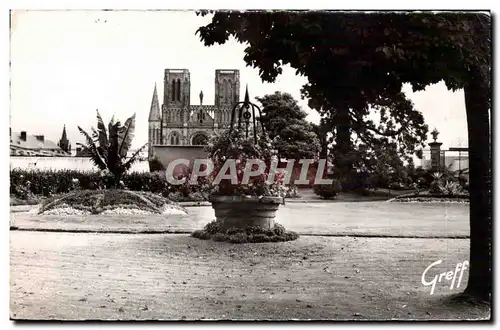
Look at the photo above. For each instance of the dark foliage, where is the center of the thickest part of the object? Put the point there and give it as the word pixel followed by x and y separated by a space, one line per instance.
pixel 250 234
pixel 29 184
pixel 155 165
pixel 328 191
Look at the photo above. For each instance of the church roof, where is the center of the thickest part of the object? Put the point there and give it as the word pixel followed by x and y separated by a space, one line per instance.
pixel 64 135
pixel 154 112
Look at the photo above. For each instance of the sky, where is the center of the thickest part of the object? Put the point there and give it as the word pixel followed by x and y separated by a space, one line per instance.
pixel 67 64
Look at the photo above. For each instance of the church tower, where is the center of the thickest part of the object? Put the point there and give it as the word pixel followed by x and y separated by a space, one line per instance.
pixel 176 104
pixel 154 121
pixel 64 142
pixel 176 95
pixel 227 94
pixel 178 123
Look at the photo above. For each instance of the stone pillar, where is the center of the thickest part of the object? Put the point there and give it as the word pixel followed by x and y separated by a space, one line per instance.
pixel 435 152
pixel 435 155
pixel 185 135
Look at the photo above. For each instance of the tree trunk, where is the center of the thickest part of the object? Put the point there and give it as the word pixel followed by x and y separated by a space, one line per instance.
pixel 477 93
pixel 343 146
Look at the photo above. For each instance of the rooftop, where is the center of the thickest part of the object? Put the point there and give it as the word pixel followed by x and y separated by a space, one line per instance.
pixel 34 143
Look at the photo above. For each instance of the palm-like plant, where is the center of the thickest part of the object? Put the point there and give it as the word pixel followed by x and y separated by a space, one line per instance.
pixel 108 149
pixel 451 188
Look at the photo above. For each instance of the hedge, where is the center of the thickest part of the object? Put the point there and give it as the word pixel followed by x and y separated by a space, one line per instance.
pixel 29 184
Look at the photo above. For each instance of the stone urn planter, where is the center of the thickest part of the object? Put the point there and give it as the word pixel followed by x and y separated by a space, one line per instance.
pixel 244 211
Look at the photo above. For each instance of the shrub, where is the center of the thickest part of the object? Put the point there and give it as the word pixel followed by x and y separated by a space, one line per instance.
pixel 213 227
pixel 290 236
pixel 328 191
pixel 261 238
pixel 291 191
pixel 451 188
pixel 155 165
pixel 238 238
pixel 279 230
pixel 201 234
pixel 446 183
pixel 151 182
pixel 32 184
pixel 219 237
pixel 250 234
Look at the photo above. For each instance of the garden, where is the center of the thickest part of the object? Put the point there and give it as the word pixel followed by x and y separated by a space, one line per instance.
pixel 290 266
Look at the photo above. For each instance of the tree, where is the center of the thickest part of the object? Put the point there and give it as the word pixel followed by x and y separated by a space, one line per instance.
pixel 285 123
pixel 353 59
pixel 322 129
pixel 384 166
pixel 110 152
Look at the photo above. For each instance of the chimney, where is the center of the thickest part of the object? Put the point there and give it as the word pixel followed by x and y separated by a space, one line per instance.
pixel 40 138
pixel 23 135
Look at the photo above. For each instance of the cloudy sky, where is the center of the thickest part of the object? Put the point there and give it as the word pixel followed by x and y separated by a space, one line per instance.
pixel 67 64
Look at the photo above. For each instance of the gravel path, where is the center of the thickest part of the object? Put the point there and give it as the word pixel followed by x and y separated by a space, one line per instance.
pixel 77 276
pixel 339 219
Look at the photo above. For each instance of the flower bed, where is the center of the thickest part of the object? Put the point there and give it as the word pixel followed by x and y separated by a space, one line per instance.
pixel 109 202
pixel 250 234
pixel 426 197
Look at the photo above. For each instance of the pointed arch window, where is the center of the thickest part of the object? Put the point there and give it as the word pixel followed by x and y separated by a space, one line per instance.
pixel 174 139
pixel 158 138
pixel 224 90
pixel 201 116
pixel 178 90
pixel 229 91
pixel 173 90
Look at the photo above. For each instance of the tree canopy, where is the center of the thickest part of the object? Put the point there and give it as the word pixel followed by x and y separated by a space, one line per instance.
pixel 349 72
pixel 356 52
pixel 353 60
pixel 285 122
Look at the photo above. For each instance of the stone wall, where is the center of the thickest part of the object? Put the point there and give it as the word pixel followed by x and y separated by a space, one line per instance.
pixel 65 163
pixel 167 154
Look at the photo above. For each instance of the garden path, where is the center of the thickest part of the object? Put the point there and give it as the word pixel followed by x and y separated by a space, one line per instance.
pixel 82 276
pixel 331 219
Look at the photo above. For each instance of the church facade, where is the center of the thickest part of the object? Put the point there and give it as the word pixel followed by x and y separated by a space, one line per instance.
pixel 178 123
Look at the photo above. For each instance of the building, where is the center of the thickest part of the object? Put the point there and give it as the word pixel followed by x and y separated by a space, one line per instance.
pixel 181 129
pixel 64 142
pixel 451 162
pixel 22 144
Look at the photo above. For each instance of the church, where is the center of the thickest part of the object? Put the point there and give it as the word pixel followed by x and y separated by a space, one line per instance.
pixel 178 124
